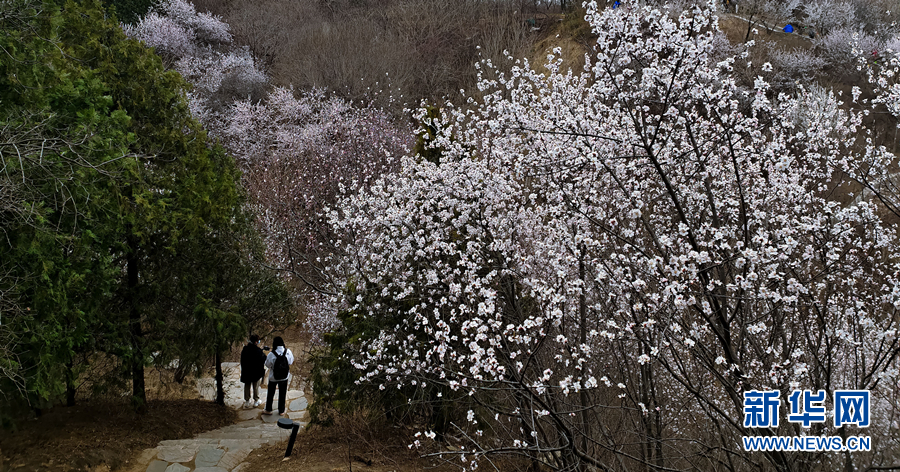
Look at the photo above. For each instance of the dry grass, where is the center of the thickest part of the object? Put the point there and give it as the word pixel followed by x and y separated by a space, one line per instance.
pixel 571 34
pixel 103 435
pixel 417 49
pixel 363 442
pixel 735 29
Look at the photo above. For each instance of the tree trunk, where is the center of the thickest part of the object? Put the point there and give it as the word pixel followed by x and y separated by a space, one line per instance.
pixel 440 418
pixel 138 392
pixel 749 25
pixel 70 383
pixel 220 381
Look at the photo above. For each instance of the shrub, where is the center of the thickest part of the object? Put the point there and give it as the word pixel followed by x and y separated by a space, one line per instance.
pixel 841 48
pixel 794 66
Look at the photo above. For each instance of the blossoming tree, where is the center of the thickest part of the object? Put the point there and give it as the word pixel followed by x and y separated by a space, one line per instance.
pixel 298 150
pixel 603 263
pixel 300 154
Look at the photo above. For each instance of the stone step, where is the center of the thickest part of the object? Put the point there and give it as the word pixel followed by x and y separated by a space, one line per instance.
pixel 177 453
pixel 225 449
pixel 299 404
pixel 177 468
pixel 186 442
pixel 232 458
pixel 208 456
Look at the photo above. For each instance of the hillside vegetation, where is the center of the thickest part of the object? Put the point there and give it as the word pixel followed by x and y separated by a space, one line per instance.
pixel 597 236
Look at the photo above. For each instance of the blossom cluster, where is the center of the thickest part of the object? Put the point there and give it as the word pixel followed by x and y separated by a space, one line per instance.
pixel 176 29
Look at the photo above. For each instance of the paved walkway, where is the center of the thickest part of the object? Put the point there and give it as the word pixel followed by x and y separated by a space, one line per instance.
pixel 224 449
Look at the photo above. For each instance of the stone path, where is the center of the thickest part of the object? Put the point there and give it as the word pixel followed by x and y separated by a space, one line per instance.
pixel 224 449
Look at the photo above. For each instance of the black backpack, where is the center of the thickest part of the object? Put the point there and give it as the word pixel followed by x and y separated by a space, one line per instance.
pixel 281 368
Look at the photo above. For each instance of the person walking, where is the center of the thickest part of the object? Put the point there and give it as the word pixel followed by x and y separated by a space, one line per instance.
pixel 279 364
pixel 252 370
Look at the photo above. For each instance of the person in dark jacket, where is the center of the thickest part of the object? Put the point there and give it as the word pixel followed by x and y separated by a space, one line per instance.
pixel 252 370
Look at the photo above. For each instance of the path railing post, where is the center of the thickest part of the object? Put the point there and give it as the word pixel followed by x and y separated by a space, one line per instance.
pixel 294 427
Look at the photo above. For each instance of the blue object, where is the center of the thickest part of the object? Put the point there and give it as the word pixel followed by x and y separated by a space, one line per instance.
pixel 851 407
pixel 616 5
pixel 761 408
pixel 788 29
pixel 813 407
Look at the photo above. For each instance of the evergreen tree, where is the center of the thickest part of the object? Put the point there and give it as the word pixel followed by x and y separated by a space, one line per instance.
pixel 112 201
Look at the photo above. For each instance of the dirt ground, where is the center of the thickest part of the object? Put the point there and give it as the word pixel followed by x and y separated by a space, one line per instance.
pixel 104 435
pixel 735 29
pixel 334 449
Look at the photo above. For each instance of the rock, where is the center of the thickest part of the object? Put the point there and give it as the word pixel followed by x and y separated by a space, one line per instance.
pixel 196 442
pixel 230 444
pixel 208 456
pixel 276 434
pixel 273 418
pixel 233 401
pixel 299 404
pixel 210 469
pixel 157 466
pixel 246 424
pixel 146 456
pixel 232 458
pixel 177 468
pixel 176 453
pixel 248 414
pixel 207 387
pixel 242 467
pixel 247 433
pixel 291 394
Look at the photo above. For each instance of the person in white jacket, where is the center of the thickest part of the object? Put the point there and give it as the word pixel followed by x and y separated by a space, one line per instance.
pixel 278 362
